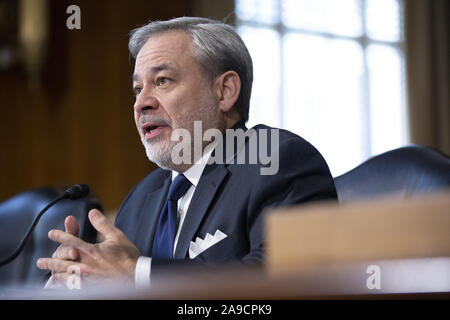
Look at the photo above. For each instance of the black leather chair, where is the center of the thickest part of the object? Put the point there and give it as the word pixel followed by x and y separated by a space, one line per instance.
pixel 16 215
pixel 405 171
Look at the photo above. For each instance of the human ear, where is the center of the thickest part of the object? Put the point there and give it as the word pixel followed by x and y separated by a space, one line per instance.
pixel 228 87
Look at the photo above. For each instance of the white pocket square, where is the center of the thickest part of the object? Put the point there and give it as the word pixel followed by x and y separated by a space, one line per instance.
pixel 201 245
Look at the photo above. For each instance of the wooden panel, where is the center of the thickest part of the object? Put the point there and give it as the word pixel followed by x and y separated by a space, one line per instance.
pixel 321 235
pixel 78 126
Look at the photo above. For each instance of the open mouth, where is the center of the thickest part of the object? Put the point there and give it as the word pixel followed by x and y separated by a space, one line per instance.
pixel 152 130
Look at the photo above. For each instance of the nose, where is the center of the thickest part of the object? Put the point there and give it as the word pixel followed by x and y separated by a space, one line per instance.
pixel 145 102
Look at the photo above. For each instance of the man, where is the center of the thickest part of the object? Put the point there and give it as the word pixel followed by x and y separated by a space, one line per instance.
pixel 192 71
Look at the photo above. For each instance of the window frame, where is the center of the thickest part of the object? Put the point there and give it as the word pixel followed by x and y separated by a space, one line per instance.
pixel 364 41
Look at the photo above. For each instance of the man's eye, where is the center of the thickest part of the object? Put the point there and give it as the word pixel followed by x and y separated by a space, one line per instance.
pixel 137 90
pixel 162 81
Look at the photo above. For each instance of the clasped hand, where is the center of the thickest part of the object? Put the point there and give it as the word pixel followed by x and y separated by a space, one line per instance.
pixel 113 259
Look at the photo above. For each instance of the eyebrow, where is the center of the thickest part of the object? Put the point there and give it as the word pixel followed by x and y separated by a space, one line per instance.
pixel 154 70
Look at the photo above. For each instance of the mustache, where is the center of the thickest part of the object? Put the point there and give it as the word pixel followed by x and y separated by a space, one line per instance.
pixel 143 120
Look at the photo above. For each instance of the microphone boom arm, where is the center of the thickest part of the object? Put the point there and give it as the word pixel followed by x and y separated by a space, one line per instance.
pixel 75 192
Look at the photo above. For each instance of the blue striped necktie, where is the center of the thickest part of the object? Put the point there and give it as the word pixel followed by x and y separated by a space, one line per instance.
pixel 166 228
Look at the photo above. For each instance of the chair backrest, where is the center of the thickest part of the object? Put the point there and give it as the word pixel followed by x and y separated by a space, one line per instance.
pixel 16 215
pixel 405 171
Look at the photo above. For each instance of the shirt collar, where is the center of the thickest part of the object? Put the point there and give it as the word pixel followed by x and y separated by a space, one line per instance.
pixel 194 173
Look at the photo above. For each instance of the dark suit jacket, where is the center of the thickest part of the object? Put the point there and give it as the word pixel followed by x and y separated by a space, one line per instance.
pixel 232 198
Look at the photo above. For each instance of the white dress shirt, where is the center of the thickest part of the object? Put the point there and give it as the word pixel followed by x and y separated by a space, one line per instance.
pixel 193 174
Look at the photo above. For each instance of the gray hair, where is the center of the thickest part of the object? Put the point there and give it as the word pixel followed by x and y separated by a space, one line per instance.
pixel 218 48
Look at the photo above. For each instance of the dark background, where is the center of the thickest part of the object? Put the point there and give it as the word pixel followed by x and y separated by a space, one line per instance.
pixel 77 125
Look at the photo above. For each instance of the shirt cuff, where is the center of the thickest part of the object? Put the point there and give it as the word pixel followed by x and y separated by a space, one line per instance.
pixel 142 272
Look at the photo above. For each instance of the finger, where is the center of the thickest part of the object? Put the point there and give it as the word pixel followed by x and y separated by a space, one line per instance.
pixel 73 271
pixel 68 253
pixel 102 224
pixel 61 277
pixel 68 240
pixel 54 265
pixel 71 225
pixel 65 253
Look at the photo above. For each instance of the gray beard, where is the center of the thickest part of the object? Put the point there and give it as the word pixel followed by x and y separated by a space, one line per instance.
pixel 158 154
pixel 161 154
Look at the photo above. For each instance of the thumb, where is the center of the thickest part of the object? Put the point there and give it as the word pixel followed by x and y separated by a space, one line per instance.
pixel 102 224
pixel 71 225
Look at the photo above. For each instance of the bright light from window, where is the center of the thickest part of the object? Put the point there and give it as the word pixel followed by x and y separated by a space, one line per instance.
pixel 386 113
pixel 340 17
pixel 265 11
pixel 266 73
pixel 384 20
pixel 323 96
pixel 330 71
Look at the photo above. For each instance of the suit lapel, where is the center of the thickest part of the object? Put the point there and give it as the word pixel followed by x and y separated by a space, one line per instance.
pixel 149 216
pixel 205 191
pixel 207 187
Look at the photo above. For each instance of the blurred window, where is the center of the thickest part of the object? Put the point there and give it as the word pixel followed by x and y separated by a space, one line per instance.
pixel 331 71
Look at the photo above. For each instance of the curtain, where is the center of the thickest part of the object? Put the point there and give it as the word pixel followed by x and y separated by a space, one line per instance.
pixel 427 50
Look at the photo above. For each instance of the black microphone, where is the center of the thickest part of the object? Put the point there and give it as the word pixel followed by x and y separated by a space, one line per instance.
pixel 75 192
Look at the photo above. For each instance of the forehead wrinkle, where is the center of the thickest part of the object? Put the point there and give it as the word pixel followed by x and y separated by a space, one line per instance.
pixel 152 63
pixel 166 47
pixel 154 70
